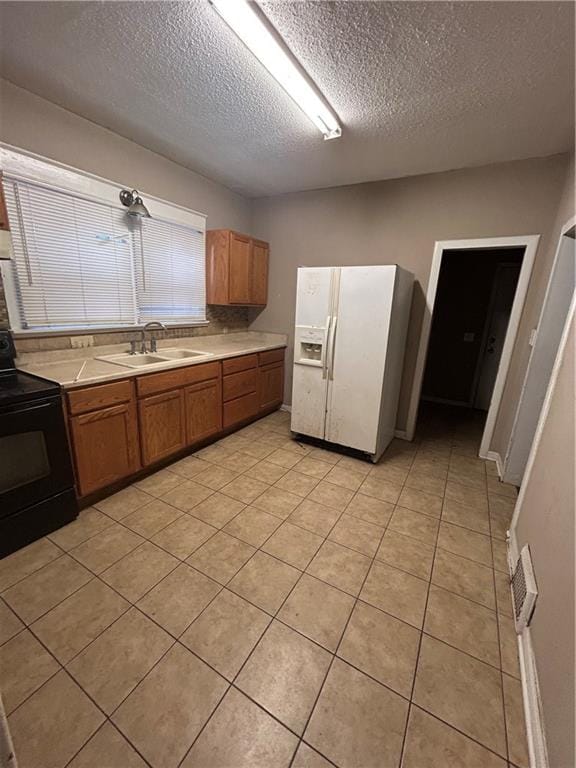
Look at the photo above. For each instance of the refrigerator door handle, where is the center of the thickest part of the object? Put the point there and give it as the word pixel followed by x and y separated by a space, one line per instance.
pixel 331 347
pixel 325 350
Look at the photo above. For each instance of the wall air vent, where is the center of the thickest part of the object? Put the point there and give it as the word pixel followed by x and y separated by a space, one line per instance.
pixel 524 590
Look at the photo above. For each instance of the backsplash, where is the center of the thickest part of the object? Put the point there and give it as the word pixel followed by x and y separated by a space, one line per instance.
pixel 221 319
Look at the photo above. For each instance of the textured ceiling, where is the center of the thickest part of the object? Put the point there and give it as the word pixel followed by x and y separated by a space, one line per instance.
pixel 419 86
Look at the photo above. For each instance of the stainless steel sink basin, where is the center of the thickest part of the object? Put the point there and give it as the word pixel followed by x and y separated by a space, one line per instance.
pixel 133 361
pixel 182 354
pixel 152 358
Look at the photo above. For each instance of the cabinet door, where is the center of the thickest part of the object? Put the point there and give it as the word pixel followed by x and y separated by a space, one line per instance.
pixel 3 212
pixel 162 425
pixel 271 385
pixel 240 269
pixel 259 272
pixel 105 446
pixel 203 410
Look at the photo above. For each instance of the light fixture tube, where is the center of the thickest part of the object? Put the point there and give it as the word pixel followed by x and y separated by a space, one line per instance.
pixel 254 33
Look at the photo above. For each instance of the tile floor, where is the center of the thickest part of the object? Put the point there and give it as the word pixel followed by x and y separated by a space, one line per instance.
pixel 265 603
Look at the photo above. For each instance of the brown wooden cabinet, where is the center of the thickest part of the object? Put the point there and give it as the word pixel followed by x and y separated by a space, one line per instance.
pixel 271 379
pixel 271 385
pixel 240 386
pixel 236 269
pixel 118 427
pixel 203 410
pixel 4 223
pixel 177 408
pixel 260 252
pixel 106 446
pixel 162 425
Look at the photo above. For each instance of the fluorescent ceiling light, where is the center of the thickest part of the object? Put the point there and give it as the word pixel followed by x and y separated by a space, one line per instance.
pixel 246 22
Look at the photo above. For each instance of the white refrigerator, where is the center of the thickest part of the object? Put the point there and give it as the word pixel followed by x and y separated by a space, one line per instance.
pixel 349 340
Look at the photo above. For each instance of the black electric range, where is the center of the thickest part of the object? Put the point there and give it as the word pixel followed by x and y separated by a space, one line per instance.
pixel 36 479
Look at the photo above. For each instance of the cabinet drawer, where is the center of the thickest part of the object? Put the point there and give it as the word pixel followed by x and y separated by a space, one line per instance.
pixel 101 396
pixel 235 364
pixel 240 409
pixel 271 356
pixel 160 382
pixel 238 384
pixel 203 372
pixel 177 377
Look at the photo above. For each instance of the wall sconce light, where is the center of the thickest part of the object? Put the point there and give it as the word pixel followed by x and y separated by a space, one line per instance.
pixel 133 201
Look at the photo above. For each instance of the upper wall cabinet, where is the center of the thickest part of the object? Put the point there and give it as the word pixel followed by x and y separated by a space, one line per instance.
pixel 236 269
pixel 3 212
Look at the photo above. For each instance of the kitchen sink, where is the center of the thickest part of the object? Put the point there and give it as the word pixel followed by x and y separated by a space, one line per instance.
pixel 133 361
pixel 152 358
pixel 181 354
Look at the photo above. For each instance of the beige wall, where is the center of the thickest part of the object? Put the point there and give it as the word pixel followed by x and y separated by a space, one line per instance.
pixel 32 123
pixel 398 222
pixel 546 523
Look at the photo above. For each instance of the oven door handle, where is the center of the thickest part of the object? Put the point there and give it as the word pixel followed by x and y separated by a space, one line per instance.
pixel 27 409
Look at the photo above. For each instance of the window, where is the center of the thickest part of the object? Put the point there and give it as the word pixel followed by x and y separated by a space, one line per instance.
pixel 170 272
pixel 80 263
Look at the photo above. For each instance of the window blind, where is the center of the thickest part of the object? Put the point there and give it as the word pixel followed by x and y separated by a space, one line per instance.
pixel 80 263
pixel 170 272
pixel 73 260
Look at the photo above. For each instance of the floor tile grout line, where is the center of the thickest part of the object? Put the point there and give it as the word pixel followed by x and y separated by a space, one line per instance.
pixel 506 736
pixel 500 670
pixel 109 722
pixel 225 586
pixel 175 640
pixel 342 634
pixel 19 581
pixel 63 667
pixel 275 617
pixel 420 638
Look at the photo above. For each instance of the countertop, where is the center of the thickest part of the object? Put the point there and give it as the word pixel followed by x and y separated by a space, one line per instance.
pixel 63 366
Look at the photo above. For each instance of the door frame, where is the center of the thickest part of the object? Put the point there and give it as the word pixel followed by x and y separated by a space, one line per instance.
pixel 566 227
pixel 530 244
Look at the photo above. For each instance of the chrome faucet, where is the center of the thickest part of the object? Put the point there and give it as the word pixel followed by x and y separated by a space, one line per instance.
pixel 148 327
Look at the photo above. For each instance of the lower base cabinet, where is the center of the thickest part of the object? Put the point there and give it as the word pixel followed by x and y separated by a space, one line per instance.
pixel 120 427
pixel 240 410
pixel 162 426
pixel 203 410
pixel 271 385
pixel 105 446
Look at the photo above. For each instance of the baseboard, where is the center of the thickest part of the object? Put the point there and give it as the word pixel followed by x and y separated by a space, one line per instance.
pixel 535 733
pixel 513 552
pixel 401 434
pixel 495 456
pixel 285 407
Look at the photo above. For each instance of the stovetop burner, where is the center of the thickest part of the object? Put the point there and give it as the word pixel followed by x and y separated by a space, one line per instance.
pixel 17 386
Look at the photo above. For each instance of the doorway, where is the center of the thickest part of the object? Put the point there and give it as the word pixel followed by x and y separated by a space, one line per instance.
pixel 473 310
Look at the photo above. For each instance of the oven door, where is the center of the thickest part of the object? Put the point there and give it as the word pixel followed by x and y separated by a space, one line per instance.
pixel 34 456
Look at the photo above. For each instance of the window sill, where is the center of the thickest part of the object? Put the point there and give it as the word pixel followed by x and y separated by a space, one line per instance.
pixel 95 330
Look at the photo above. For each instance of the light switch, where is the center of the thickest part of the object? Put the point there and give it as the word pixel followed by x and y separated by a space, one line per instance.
pixel 468 337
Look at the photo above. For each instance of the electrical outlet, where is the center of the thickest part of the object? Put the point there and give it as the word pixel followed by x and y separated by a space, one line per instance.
pixel 79 342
